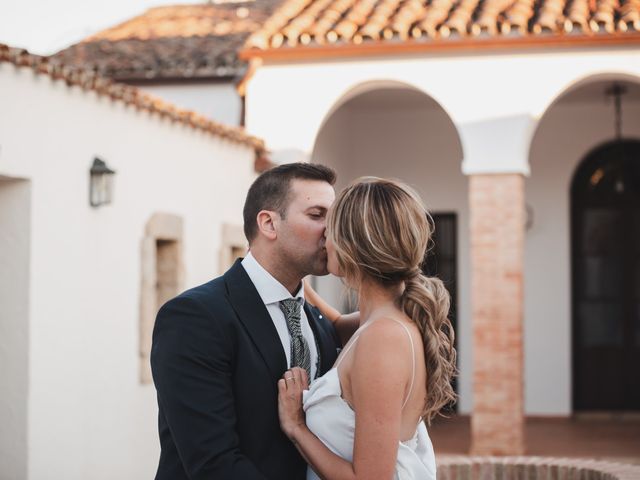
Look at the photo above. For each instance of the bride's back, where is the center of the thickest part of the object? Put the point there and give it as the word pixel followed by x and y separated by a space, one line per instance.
pixel 402 337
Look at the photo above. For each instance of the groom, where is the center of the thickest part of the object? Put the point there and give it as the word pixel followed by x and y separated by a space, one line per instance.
pixel 220 348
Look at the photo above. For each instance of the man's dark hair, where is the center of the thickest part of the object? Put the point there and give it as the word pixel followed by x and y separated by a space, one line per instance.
pixel 270 191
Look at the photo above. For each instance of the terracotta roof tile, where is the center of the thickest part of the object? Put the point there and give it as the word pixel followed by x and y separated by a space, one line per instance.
pixel 577 17
pixel 629 15
pixel 171 42
pixel 517 17
pixel 550 17
pixel 321 22
pixel 89 80
pixel 431 17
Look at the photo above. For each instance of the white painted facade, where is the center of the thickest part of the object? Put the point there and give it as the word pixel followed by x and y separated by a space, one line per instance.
pixel 433 119
pixel 216 100
pixel 71 403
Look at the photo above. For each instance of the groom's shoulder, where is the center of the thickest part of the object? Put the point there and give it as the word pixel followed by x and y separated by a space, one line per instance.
pixel 208 294
pixel 213 298
pixel 201 307
pixel 214 294
pixel 204 291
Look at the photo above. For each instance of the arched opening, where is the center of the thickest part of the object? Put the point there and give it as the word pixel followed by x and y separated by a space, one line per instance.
pixel 579 123
pixel 605 241
pixel 394 130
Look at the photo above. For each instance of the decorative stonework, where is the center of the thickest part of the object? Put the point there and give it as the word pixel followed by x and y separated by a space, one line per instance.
pixel 497 254
pixel 233 245
pixel 162 277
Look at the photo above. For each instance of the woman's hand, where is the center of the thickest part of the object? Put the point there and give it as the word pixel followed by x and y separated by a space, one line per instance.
pixel 316 300
pixel 290 388
pixel 345 324
pixel 292 422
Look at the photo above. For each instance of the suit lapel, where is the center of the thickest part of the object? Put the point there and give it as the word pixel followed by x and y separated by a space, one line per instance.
pixel 253 314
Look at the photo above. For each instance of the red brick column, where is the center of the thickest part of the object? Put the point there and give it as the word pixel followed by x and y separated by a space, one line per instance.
pixel 497 244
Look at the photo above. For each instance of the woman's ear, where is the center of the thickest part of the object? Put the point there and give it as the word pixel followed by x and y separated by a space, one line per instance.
pixel 267 224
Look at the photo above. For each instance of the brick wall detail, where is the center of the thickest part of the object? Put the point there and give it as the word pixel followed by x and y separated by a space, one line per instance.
pixel 532 468
pixel 497 255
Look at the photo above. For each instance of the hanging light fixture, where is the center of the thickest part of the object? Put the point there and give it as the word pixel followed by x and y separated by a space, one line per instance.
pixel 100 183
pixel 616 91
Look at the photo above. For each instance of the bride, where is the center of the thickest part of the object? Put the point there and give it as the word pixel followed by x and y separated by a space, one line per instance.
pixel 364 419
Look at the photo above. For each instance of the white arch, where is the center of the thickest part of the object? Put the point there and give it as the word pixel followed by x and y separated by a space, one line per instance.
pixel 585 79
pixel 366 86
pixel 559 94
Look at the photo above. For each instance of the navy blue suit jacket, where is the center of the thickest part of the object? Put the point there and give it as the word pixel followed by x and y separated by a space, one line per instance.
pixel 216 360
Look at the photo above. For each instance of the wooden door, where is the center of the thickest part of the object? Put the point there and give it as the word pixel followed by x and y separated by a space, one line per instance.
pixel 605 210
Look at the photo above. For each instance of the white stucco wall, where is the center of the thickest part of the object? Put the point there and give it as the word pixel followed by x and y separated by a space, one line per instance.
pixel 217 100
pixel 495 102
pixel 471 87
pixel 15 243
pixel 88 416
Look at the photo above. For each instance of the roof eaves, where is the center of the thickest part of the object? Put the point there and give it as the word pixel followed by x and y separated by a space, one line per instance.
pixel 88 80
pixel 466 44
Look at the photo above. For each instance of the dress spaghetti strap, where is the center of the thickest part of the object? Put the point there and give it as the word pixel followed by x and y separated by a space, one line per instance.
pixel 413 356
pixel 353 342
pixel 413 362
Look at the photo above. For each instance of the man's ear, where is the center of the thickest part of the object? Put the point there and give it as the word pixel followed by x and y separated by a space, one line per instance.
pixel 267 221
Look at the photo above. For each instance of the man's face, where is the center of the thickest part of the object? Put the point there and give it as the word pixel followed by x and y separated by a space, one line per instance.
pixel 301 237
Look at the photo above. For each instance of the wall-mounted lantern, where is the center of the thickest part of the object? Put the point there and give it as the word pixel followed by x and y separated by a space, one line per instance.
pixel 101 183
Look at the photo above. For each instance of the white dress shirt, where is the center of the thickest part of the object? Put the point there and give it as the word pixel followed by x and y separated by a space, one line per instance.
pixel 271 292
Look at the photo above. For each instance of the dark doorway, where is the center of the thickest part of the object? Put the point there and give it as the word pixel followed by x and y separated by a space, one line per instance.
pixel 605 236
pixel 441 262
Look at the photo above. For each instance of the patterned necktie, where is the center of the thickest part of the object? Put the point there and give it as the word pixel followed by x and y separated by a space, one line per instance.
pixel 300 353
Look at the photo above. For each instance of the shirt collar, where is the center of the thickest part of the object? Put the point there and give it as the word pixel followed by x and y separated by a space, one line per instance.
pixel 269 289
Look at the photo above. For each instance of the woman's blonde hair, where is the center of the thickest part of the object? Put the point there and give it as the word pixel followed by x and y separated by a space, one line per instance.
pixel 381 231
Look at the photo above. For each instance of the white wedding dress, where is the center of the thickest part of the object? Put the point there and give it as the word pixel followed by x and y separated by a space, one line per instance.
pixel 332 420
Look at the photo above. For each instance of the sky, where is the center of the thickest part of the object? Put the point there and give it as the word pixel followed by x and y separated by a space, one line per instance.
pixel 46 26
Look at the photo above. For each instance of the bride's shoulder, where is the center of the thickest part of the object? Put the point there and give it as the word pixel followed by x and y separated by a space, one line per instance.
pixel 379 360
pixel 385 334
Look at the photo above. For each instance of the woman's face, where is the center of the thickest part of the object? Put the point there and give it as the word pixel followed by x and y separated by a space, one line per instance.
pixel 332 258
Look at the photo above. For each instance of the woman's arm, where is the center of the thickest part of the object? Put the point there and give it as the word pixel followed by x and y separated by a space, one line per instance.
pixel 345 324
pixel 314 299
pixel 379 379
